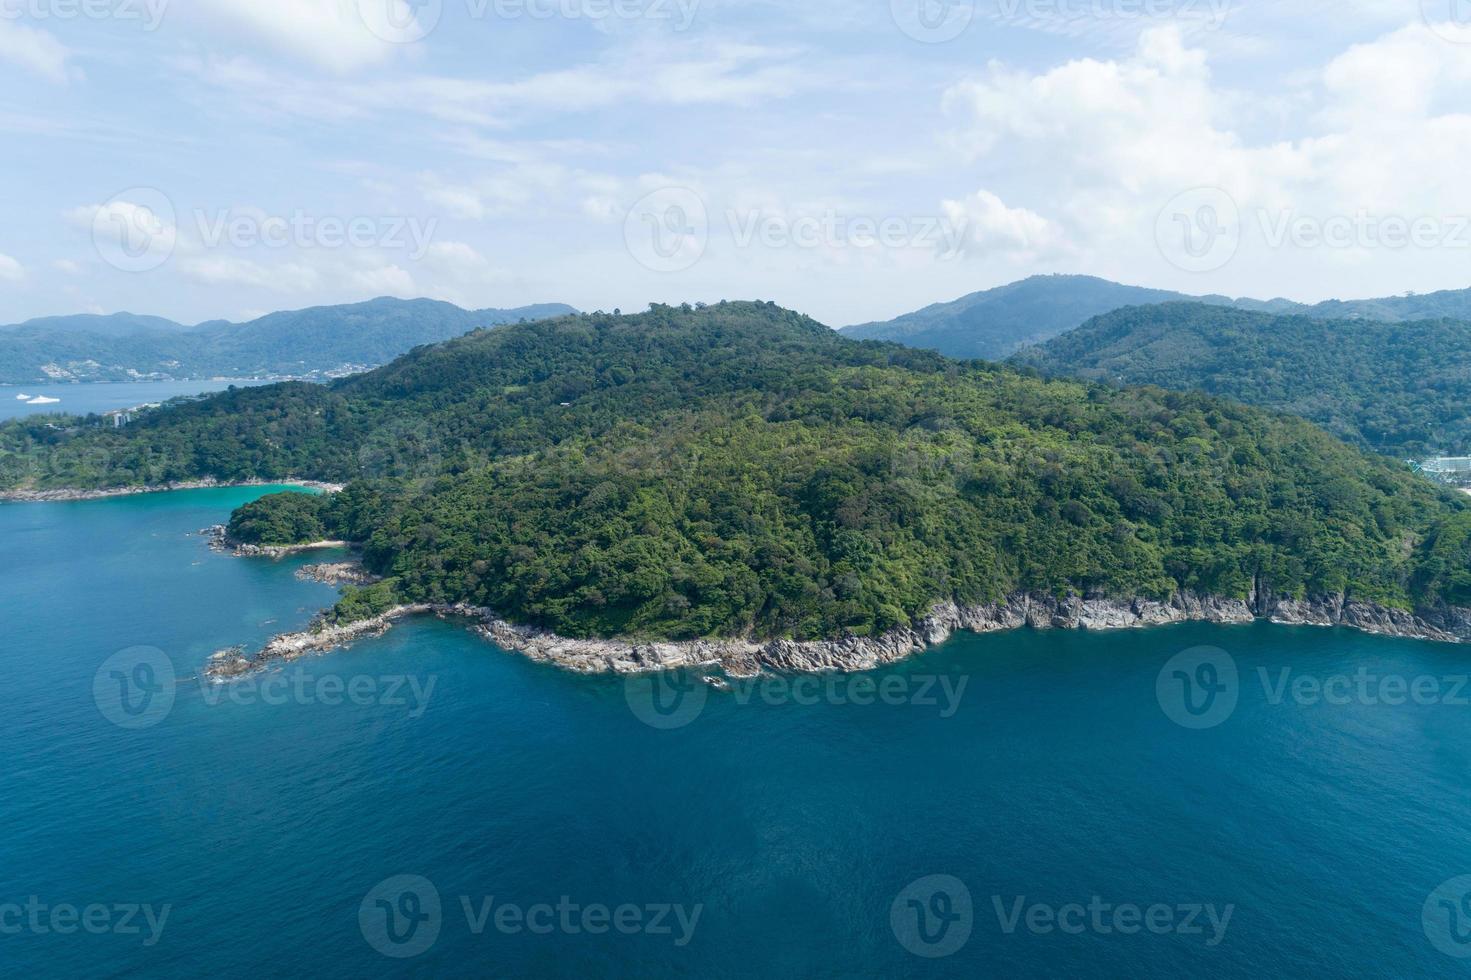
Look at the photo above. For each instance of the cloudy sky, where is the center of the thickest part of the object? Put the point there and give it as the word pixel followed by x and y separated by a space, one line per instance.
pixel 853 159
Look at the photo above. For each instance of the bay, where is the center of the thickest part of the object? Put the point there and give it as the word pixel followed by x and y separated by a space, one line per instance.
pixel 84 399
pixel 987 796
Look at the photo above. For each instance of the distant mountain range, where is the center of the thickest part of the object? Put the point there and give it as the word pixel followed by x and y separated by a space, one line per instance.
pixel 998 322
pixel 1401 388
pixel 323 341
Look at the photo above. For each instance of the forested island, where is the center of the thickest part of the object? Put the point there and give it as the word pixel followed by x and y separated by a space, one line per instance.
pixel 740 470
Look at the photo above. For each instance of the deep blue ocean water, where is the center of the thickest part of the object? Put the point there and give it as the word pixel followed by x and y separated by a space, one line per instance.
pixel 803 826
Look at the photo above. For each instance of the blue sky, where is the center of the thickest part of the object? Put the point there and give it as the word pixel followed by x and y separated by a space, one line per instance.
pixel 854 160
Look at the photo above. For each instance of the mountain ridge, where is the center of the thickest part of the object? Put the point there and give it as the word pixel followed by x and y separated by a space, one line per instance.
pixel 996 323
pixel 313 341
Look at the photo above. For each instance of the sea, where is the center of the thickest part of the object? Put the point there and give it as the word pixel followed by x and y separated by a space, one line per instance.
pixel 84 399
pixel 1193 800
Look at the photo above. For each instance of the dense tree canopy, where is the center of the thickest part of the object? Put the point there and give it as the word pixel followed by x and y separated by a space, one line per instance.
pixel 1399 388
pixel 742 469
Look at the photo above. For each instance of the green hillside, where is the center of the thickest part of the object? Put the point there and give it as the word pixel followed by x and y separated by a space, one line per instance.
pixel 1398 388
pixel 742 469
pixel 998 322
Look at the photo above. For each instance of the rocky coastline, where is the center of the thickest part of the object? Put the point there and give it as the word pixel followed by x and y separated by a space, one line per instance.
pixel 220 540
pixel 64 495
pixel 747 658
pixel 349 572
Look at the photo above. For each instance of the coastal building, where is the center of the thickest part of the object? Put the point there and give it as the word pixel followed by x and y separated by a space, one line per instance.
pixel 1455 470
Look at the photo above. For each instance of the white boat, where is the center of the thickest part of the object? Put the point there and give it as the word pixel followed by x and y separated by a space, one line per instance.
pixel 23 398
pixel 43 400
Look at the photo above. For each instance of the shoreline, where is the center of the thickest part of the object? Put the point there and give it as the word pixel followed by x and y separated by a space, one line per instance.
pixel 220 540
pixel 738 658
pixel 71 495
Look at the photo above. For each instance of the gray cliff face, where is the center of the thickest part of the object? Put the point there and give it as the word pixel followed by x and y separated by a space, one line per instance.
pixel 740 658
pixel 746 658
pixel 1447 624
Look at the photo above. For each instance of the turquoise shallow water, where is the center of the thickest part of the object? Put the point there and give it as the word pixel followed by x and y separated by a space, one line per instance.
pixel 798 824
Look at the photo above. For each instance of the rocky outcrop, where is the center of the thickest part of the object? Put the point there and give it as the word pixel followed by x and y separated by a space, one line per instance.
pixel 220 540
pixel 746 657
pixel 235 662
pixel 337 573
pixel 1447 624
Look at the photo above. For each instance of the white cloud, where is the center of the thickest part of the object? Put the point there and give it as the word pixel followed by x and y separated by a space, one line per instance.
pixel 477 200
pixel 720 74
pixel 387 280
pixel 224 270
pixel 456 259
pixel 34 50
pixel 987 227
pixel 67 266
pixel 329 34
pixel 10 269
pixel 128 228
pixel 1109 143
